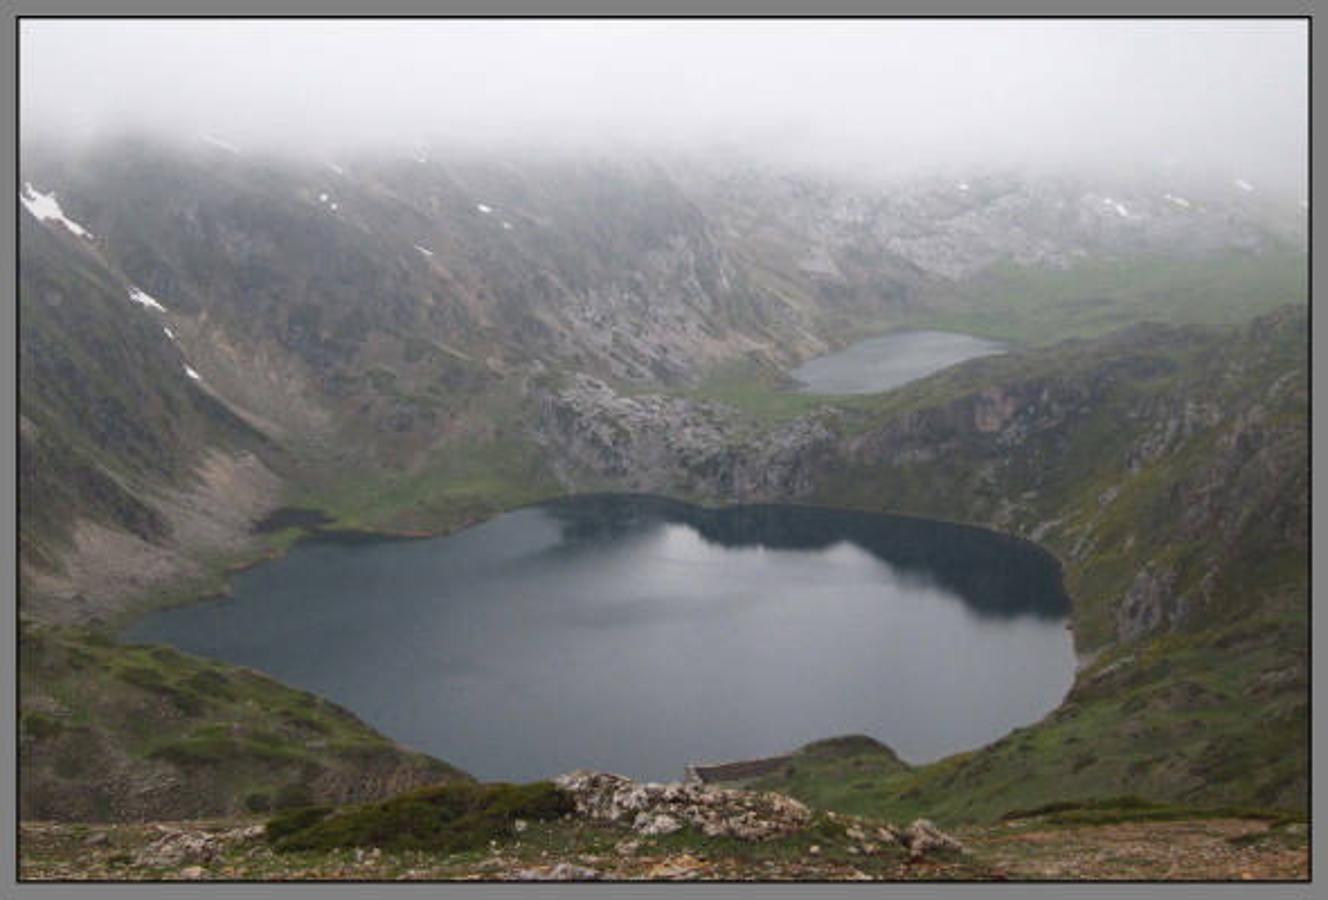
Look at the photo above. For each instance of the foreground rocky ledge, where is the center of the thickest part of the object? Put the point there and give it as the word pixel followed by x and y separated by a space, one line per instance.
pixel 651 809
pixel 626 830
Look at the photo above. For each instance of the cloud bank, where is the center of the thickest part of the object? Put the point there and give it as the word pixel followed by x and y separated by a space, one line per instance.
pixel 878 96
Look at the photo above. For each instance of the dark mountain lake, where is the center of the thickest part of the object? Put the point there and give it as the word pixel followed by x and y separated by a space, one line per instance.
pixel 884 363
pixel 636 634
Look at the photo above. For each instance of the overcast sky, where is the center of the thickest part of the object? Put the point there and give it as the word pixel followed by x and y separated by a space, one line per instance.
pixel 878 94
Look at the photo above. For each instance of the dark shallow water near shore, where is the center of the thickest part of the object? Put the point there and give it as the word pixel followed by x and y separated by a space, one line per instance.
pixel 885 363
pixel 637 634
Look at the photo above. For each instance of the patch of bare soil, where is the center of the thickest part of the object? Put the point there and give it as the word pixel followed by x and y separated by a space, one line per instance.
pixel 582 850
pixel 1205 849
pixel 107 567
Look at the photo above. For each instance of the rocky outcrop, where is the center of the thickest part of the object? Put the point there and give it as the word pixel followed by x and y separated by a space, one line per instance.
pixel 655 443
pixel 654 809
pixel 179 847
pixel 1149 605
pixel 659 809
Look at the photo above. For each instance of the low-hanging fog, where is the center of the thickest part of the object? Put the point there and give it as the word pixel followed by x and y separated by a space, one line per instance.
pixel 874 97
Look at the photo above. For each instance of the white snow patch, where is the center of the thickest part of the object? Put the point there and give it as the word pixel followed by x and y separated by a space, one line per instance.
pixel 218 142
pixel 1179 201
pixel 1243 185
pixel 334 207
pixel 170 334
pixel 143 298
pixel 1117 206
pixel 507 226
pixel 335 168
pixel 191 373
pixel 322 198
pixel 484 209
pixel 47 209
pixel 963 185
pixel 425 250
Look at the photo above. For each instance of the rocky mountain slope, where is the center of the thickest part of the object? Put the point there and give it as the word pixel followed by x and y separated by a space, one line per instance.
pixel 413 343
pixel 370 316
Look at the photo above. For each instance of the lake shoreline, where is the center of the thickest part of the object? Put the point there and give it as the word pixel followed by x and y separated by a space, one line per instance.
pixel 457 603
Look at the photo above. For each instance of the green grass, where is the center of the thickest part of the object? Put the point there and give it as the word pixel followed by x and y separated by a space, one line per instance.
pixel 1175 725
pixel 1115 810
pixel 766 396
pixel 229 733
pixel 464 484
pixel 1036 306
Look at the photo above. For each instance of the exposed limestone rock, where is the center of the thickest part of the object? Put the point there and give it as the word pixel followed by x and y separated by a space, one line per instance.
pixel 659 823
pixel 561 872
pixel 176 848
pixel 663 808
pixel 922 837
pixel 655 443
pixel 1148 606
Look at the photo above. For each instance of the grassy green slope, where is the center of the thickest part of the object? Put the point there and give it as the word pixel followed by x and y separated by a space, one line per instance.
pixel 110 732
pixel 1178 454
pixel 1038 306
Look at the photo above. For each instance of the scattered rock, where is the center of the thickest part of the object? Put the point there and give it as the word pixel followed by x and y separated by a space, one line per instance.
pixel 677 868
pixel 520 825
pixel 175 848
pixel 889 834
pixel 660 823
pixel 193 873
pixel 922 837
pixel 180 847
pixel 560 872
pixel 97 839
pixel 627 847
pixel 664 808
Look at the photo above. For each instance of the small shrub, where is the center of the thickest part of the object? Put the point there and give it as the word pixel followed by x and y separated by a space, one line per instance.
pixel 449 818
pixel 211 684
pixel 258 801
pixel 292 796
pixel 142 676
pixel 294 821
pixel 40 726
pixel 195 751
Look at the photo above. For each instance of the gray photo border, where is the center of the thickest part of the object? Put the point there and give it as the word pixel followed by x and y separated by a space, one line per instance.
pixel 9 887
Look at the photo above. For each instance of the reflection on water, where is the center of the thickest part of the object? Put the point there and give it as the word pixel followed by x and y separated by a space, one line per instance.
pixel 993 574
pixel 638 634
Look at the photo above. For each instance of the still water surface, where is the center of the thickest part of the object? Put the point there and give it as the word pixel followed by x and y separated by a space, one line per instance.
pixel 636 634
pixel 884 363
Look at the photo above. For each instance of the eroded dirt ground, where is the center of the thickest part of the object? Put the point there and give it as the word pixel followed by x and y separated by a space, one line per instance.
pixel 1208 850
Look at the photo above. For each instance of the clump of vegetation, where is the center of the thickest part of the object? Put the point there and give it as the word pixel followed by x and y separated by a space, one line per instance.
pixel 1114 810
pixel 448 818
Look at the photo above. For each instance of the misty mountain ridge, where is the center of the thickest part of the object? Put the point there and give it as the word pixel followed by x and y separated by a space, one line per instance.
pixel 373 308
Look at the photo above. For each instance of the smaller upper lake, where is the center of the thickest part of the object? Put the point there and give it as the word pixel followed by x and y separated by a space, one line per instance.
pixel 886 362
